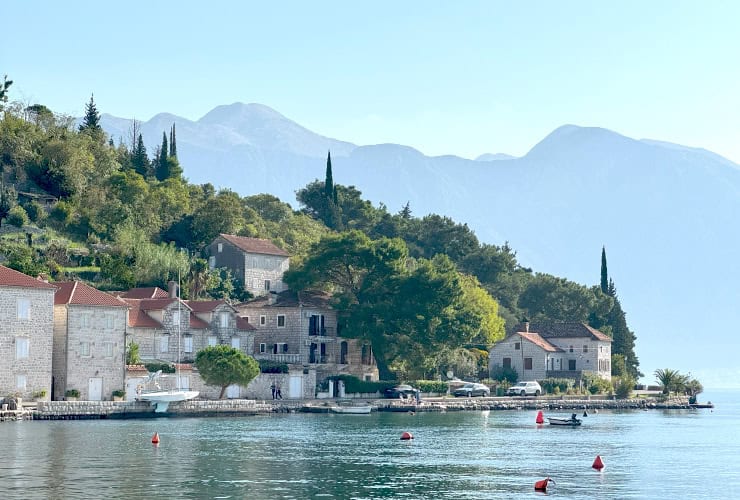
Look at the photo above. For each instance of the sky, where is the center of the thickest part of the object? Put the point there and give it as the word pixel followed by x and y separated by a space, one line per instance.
pixel 462 78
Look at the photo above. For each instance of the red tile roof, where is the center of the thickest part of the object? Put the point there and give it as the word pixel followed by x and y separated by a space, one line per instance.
pixel 540 342
pixel 138 318
pixel 157 304
pixel 152 292
pixel 243 324
pixel 201 306
pixel 255 245
pixel 78 293
pixel 196 322
pixel 10 277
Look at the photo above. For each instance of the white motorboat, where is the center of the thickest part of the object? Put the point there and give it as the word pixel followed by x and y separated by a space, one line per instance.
pixel 162 399
pixel 352 410
pixel 570 422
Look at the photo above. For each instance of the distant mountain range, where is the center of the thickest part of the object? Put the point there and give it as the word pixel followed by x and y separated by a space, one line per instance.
pixel 666 213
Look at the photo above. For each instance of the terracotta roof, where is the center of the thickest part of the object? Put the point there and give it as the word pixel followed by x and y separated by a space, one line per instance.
pixel 290 298
pixel 255 245
pixel 151 292
pixel 78 293
pixel 136 368
pixel 157 304
pixel 196 322
pixel 565 330
pixel 138 318
pixel 11 277
pixel 539 341
pixel 201 306
pixel 244 325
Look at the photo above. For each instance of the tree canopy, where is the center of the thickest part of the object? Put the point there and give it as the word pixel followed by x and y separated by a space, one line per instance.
pixel 223 365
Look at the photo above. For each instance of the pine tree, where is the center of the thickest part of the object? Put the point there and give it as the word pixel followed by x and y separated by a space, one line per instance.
pixel 4 90
pixel 91 121
pixel 604 274
pixel 329 182
pixel 406 211
pixel 173 142
pixel 162 166
pixel 139 158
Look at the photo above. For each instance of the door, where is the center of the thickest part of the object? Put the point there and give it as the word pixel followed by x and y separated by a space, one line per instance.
pixel 343 353
pixel 295 387
pixel 95 389
pixel 232 391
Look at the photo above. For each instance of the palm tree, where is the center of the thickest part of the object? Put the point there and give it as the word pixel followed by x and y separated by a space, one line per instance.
pixel 671 380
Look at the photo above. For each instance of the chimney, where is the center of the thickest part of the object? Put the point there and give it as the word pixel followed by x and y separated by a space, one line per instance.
pixel 172 289
pixel 526 326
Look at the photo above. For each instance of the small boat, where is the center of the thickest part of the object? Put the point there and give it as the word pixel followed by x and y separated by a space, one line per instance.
pixel 162 399
pixel 697 406
pixel 570 422
pixel 352 410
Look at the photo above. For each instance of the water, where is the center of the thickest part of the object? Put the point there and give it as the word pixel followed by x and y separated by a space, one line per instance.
pixel 648 454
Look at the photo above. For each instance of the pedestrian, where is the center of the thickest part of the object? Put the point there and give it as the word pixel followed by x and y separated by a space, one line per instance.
pixel 278 392
pixel 274 390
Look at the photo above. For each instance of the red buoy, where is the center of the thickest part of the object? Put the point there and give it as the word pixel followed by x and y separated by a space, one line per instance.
pixel 542 485
pixel 155 438
pixel 540 418
pixel 406 436
pixel 598 464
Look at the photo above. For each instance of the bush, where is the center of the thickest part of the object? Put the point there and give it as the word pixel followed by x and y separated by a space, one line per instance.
pixel 35 211
pixel 623 386
pixel 72 393
pixel 39 394
pixel 155 367
pixel 17 216
pixel 595 384
pixel 119 393
pixel 556 385
pixel 509 374
pixel 431 386
pixel 267 366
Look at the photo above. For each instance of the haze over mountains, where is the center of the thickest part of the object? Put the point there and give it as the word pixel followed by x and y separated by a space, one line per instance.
pixel 666 213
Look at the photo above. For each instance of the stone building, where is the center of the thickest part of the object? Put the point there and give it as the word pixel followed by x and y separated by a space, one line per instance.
pixel 554 350
pixel 89 342
pixel 26 331
pixel 257 264
pixel 300 329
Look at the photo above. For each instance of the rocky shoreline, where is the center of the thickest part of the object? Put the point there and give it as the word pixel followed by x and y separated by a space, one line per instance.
pixel 83 410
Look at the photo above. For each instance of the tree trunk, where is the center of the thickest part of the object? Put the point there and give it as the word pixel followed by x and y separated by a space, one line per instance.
pixel 379 352
pixel 223 390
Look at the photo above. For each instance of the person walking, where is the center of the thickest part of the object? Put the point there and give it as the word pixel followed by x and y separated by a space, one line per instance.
pixel 278 392
pixel 274 390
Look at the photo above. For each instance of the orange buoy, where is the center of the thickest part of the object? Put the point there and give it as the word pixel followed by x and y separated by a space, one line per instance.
pixel 155 438
pixel 598 464
pixel 540 418
pixel 542 485
pixel 406 436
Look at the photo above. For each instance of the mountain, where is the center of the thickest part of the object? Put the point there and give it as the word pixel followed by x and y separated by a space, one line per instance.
pixel 494 157
pixel 665 212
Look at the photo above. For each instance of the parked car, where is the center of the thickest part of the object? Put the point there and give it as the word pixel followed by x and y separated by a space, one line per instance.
pixel 472 390
pixel 401 390
pixel 525 389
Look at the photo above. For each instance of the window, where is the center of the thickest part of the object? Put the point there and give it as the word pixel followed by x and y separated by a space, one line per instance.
pixel 263 320
pixel 108 349
pixel 279 347
pixel 235 342
pixel 585 348
pixel 267 285
pixel 20 382
pixel 507 362
pixel 212 340
pixel 527 363
pixel 23 307
pixel 187 343
pixel 571 364
pixel 21 347
pixel 84 320
pixel 246 318
pixel 571 348
pixel 85 349
pixel 263 348
pixel 285 347
pixel 517 345
pixel 220 247
pixel 281 320
pixel 223 319
pixel 109 322
pixel 164 344
pixel 176 317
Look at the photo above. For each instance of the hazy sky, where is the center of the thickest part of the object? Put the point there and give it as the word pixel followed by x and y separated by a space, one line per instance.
pixel 461 78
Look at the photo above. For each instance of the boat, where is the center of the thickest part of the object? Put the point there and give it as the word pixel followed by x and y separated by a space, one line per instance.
pixel 698 406
pixel 569 422
pixel 352 410
pixel 161 399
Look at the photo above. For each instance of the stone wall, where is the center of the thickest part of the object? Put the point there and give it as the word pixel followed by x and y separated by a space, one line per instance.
pixel 39 332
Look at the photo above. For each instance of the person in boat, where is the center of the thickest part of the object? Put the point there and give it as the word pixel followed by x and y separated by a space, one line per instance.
pixel 573 417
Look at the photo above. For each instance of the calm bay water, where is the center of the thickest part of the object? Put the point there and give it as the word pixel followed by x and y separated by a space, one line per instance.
pixel 497 454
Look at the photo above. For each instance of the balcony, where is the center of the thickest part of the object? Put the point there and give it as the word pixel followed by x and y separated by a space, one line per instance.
pixel 318 359
pixel 321 332
pixel 291 359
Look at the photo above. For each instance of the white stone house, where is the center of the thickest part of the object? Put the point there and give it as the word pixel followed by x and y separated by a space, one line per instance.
pixel 89 342
pixel 554 350
pixel 300 329
pixel 26 330
pixel 257 264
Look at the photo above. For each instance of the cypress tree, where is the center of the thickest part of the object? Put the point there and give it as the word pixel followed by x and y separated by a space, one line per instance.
pixel 173 143
pixel 604 274
pixel 162 167
pixel 139 158
pixel 91 121
pixel 329 182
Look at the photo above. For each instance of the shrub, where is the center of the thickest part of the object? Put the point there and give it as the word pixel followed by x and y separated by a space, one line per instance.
pixel 556 385
pixel 72 393
pixel 17 216
pixel 623 386
pixel 155 367
pixel 267 366
pixel 119 393
pixel 35 211
pixel 39 394
pixel 509 374
pixel 595 384
pixel 431 386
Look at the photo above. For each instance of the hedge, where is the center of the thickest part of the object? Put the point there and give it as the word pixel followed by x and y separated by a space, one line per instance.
pixel 155 367
pixel 267 366
pixel 556 385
